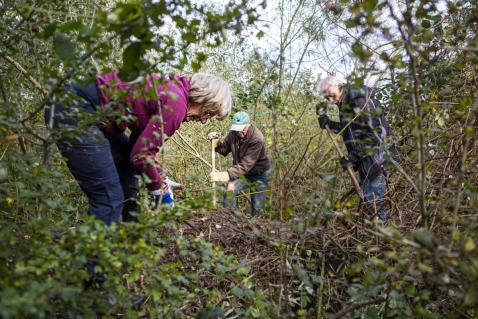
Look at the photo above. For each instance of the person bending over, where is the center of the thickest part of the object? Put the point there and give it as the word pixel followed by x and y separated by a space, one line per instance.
pixel 366 134
pixel 250 162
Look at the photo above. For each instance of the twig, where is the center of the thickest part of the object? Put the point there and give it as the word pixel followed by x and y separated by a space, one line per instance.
pixel 196 154
pixel 337 244
pixel 466 142
pixel 320 291
pixel 9 138
pixel 192 226
pixel 347 310
pixel 25 73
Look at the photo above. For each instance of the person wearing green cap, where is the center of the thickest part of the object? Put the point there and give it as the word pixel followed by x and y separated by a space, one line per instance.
pixel 250 162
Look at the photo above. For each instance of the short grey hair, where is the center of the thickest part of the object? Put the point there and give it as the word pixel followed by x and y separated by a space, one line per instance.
pixel 327 82
pixel 213 93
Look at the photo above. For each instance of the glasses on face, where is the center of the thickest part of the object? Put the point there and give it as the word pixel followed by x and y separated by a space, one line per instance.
pixel 203 117
pixel 206 115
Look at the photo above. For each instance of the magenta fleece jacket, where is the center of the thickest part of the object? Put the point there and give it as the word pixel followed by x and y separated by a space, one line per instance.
pixel 143 120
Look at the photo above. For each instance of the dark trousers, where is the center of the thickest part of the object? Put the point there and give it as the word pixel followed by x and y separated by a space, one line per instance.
pixel 101 166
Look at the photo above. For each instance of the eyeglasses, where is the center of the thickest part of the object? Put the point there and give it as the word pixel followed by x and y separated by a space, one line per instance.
pixel 206 114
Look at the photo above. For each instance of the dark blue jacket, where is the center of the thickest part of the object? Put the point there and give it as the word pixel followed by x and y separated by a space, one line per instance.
pixel 369 137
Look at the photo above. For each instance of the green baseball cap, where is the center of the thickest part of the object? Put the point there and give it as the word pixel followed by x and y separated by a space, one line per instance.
pixel 239 121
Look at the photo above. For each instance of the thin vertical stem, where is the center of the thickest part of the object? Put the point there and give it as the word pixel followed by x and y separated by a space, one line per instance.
pixel 320 291
pixel 463 167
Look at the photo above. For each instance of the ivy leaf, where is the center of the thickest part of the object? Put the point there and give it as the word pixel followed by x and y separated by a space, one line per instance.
pixel 63 46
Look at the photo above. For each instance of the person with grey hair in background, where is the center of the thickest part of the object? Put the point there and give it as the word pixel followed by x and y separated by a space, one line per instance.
pixel 366 133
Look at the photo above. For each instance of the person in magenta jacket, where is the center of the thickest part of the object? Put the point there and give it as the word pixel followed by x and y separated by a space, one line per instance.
pixel 103 159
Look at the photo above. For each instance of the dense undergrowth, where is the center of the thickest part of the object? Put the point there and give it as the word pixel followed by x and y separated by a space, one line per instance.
pixel 314 254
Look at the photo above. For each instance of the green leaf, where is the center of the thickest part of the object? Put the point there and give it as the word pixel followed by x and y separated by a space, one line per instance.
pixel 3 173
pixel 427 35
pixel 357 49
pixel 27 193
pixel 260 34
pixel 426 24
pixel 128 75
pixel 210 312
pixel 425 267
pixel 470 245
pixel 195 66
pixel 49 30
pixel 369 5
pixel 70 25
pixel 151 45
pixel 351 23
pixel 238 292
pixel 4 106
pixel 64 47
pixel 358 83
pixel 132 56
pixel 124 12
pixel 441 121
pixel 200 56
pixel 470 300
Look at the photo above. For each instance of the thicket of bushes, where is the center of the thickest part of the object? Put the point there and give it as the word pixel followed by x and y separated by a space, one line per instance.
pixel 423 264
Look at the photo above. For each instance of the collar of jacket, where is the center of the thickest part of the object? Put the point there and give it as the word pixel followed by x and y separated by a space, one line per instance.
pixel 350 93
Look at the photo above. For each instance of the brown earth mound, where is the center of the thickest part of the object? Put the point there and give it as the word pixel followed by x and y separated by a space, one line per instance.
pixel 259 243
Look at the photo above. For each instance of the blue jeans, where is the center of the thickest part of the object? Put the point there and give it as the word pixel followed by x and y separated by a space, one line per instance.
pixel 374 191
pixel 257 185
pixel 101 167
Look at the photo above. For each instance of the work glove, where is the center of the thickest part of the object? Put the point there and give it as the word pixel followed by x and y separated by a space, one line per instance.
pixel 347 161
pixel 214 136
pixel 172 184
pixel 219 177
pixel 323 120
